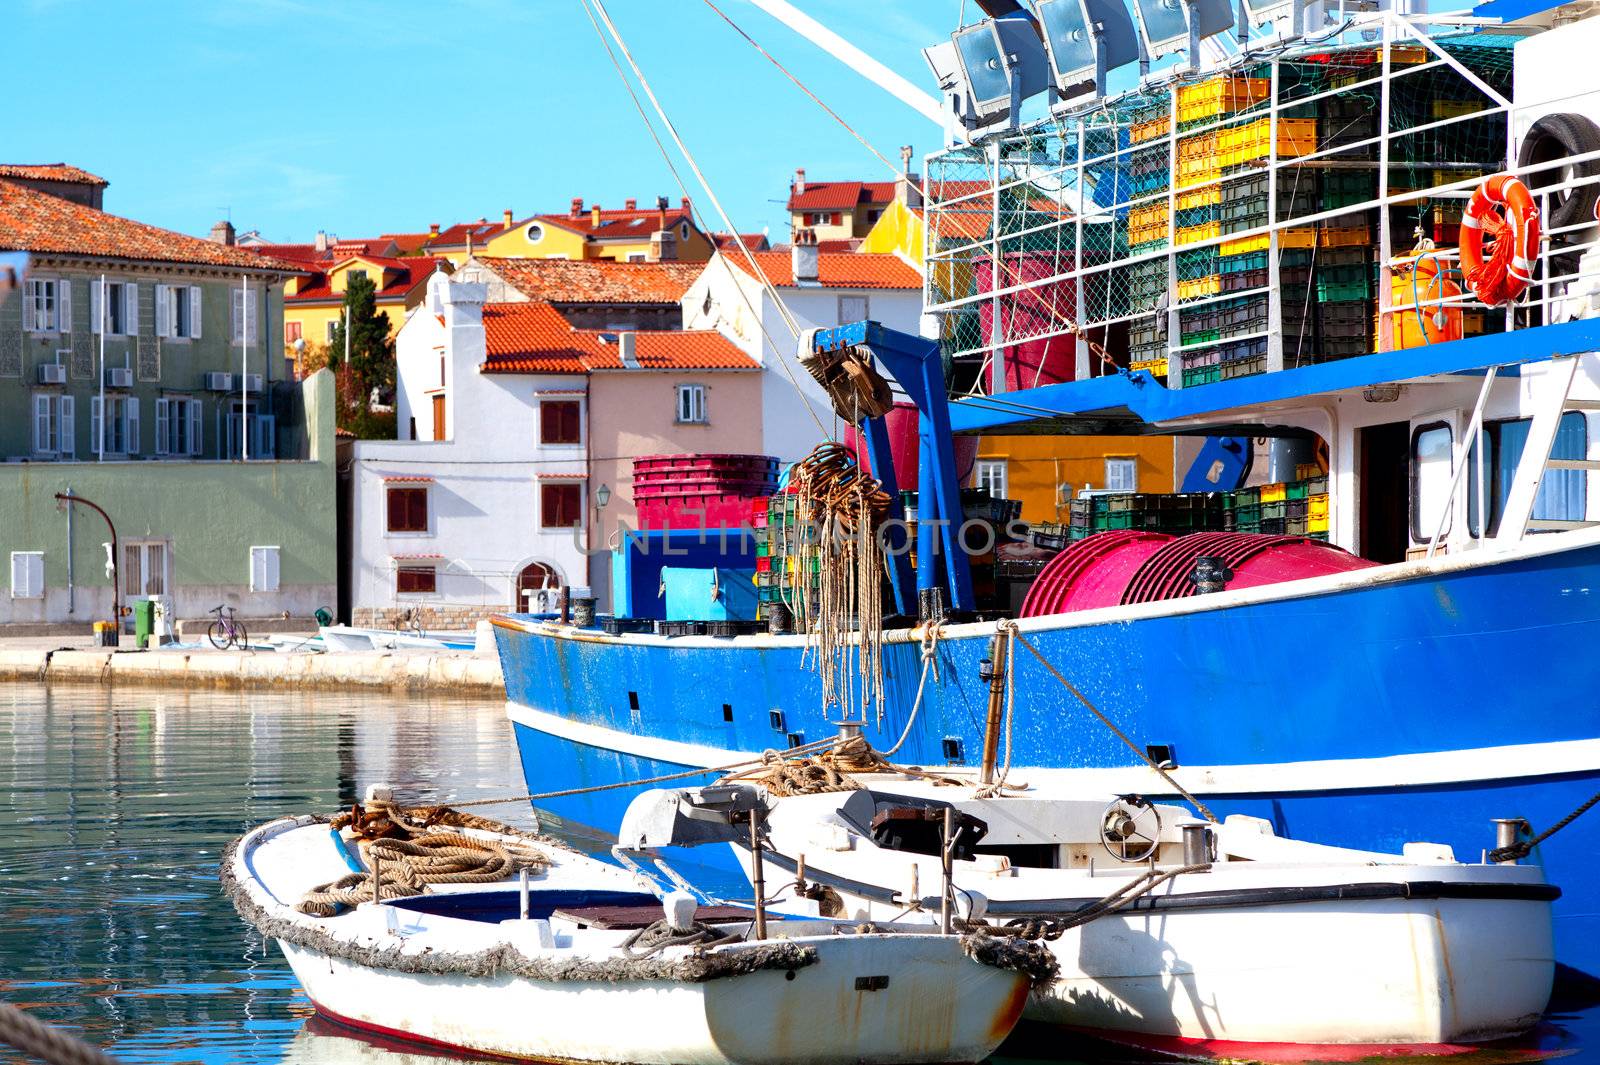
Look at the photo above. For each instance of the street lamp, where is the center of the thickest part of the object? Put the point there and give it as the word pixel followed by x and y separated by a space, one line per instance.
pixel 602 496
pixel 65 499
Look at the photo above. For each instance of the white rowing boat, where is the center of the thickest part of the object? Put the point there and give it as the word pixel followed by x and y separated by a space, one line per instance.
pixel 1264 942
pixel 584 962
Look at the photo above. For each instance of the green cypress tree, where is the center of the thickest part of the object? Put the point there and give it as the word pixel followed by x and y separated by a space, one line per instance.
pixel 371 370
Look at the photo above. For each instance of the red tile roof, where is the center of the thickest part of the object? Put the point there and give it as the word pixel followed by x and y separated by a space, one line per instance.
pixel 408 274
pixel 595 280
pixel 730 241
pixel 838 269
pixel 408 243
pixel 50 172
pixel 38 222
pixel 841 195
pixel 533 337
pixel 456 236
pixel 632 225
pixel 300 253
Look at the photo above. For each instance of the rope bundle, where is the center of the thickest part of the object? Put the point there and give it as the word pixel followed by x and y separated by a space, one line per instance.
pixel 821 773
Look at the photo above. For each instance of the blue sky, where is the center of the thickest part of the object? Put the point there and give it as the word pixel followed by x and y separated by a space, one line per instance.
pixel 361 117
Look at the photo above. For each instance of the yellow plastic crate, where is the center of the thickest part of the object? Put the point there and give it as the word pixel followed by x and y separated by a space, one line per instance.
pixel 1145 217
pixel 1317 508
pixel 1197 160
pixel 1156 367
pixel 1220 96
pixel 1200 287
pixel 1209 196
pixel 1456 108
pixel 1287 238
pixel 1195 234
pixel 1317 524
pixel 1344 237
pixel 1272 493
pixel 1252 141
pixel 1151 130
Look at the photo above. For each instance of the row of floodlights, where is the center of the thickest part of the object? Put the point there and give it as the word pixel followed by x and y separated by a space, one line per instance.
pixel 987 69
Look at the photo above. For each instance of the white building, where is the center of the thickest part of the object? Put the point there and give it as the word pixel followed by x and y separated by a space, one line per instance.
pixel 821 290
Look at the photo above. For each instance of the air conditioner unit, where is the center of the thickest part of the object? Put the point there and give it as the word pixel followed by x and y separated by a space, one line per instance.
pixel 219 381
pixel 119 377
pixel 252 382
pixel 52 373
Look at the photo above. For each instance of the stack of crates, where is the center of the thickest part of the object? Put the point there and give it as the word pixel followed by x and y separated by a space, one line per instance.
pixel 1347 303
pixel 1175 513
pixel 1147 284
pixel 777 551
pixel 1198 214
pixel 1348 118
pixel 1147 344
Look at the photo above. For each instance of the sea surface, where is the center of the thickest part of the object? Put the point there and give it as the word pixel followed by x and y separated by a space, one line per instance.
pixel 117 805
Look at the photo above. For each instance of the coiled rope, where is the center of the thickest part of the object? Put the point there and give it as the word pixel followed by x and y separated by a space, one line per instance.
pixel 37 1039
pixel 652 939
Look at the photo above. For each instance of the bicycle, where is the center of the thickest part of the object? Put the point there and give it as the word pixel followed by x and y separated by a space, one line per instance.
pixel 226 632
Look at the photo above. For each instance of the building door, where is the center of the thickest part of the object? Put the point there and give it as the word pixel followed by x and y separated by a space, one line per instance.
pixel 536 588
pixel 1385 490
pixel 438 418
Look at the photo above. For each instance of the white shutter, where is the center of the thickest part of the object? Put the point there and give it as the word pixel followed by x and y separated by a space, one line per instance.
pixel 163 310
pixel 41 422
pixel 64 303
pixel 263 569
pixel 130 293
pixel 97 435
pixel 255 318
pixel 194 423
pixel 194 311
pixel 131 422
pixel 27 574
pixel 163 406
pixel 236 302
pixel 96 313
pixel 69 427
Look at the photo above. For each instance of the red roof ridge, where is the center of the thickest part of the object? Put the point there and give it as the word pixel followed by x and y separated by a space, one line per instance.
pixel 51 172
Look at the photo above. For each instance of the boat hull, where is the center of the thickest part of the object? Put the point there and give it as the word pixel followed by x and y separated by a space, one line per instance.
pixel 1411 702
pixel 816 1014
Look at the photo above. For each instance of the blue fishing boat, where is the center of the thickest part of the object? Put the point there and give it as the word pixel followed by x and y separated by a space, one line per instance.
pixel 1331 241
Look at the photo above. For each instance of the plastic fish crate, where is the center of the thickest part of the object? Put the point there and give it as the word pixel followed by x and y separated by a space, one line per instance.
pixel 1304 237
pixel 1203 375
pixel 1198 162
pixel 1296 490
pixel 1206 356
pixel 1317 507
pixel 1199 288
pixel 1273 508
pixel 1317 486
pixel 1245 496
pixel 1151 181
pixel 1220 96
pixel 1344 347
pixel 1247 513
pixel 1245 282
pixel 1344 188
pixel 1244 368
pixel 1201 339
pixel 1150 129
pixel 1147 352
pixel 1243 316
pixel 1273 526
pixel 1154 367
pixel 1246 263
pixel 1253 140
pixel 1240 350
pixel 1274 493
pixel 1345 231
pixel 1294 526
pixel 1337 284
pixel 1295 508
pixel 1349 318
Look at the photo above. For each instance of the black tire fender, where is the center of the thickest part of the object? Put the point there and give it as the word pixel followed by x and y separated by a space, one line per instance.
pixel 1558 136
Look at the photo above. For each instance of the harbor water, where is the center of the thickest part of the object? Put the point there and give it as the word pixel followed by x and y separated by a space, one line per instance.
pixel 119 803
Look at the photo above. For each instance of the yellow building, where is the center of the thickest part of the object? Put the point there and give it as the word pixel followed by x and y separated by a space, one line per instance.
pixel 314 301
pixel 1043 472
pixel 650 235
pixel 839 210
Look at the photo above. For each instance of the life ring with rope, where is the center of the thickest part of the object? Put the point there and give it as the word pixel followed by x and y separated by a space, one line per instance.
pixel 1501 209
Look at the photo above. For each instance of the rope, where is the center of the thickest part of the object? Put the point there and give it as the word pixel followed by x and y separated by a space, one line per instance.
pixel 1107 722
pixel 404 867
pixel 1523 847
pixel 990 791
pixel 823 773
pixel 652 939
pixel 36 1039
pixel 930 660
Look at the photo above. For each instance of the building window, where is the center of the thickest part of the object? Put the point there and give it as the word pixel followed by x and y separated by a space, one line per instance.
pixel 27 574
pixel 536 588
pixel 118 431
pixel 535 233
pixel 638 257
pixel 53 424
pixel 692 405
pixel 1122 475
pixel 1431 468
pixel 560 505
pixel 39 307
pixel 853 309
pixel 683 230
pixel 291 332
pixel 329 327
pixel 263 569
pixel 178 311
pixel 874 214
pixel 559 422
pixel 354 275
pixel 144 568
pixel 408 510
pixel 416 580
pixel 990 475
pixel 246 316
pixel 177 427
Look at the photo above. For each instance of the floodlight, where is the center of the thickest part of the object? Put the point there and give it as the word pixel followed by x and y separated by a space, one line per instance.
pixel 1001 63
pixel 1084 39
pixel 1177 25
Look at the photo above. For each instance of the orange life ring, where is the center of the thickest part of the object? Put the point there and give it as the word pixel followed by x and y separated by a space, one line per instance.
pixel 1509 269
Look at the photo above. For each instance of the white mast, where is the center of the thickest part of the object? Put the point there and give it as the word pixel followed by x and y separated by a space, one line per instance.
pixel 244 367
pixel 100 439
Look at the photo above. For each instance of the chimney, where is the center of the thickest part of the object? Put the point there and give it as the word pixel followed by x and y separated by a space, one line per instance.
pixel 222 233
pixel 322 240
pixel 577 207
pixel 906 188
pixel 687 203
pixel 799 180
pixel 661 212
pixel 433 229
pixel 509 218
pixel 803 257
pixel 630 204
pixel 594 216
pixel 625 350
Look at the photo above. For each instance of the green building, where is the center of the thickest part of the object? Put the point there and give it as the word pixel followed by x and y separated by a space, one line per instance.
pixel 142 370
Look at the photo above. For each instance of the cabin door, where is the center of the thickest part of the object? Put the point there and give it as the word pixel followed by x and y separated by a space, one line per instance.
pixel 1385 491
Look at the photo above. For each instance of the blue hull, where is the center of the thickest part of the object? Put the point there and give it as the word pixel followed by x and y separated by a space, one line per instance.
pixel 1437 662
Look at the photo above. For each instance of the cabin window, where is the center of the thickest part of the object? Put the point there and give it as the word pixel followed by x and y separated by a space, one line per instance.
pixel 408 509
pixel 1431 470
pixel 1122 475
pixel 560 505
pixel 559 423
pixel 1563 494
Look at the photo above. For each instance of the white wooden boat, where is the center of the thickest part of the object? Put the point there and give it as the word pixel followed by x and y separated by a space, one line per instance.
pixel 558 968
pixel 1272 942
pixel 351 638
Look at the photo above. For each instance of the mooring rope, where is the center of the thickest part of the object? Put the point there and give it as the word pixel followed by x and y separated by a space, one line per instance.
pixel 1523 847
pixel 37 1039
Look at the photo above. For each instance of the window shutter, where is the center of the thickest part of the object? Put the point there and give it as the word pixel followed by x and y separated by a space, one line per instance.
pixel 255 318
pixel 194 311
pixel 194 422
pixel 130 308
pixel 397 510
pixel 132 424
pixel 69 427
pixel 162 422
pixel 236 302
pixel 418 511
pixel 96 314
pixel 96 435
pixel 163 313
pixel 265 444
pixel 64 303
pixel 27 574
pixel 41 422
pixel 263 569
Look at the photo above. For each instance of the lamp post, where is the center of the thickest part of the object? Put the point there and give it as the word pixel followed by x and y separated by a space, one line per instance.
pixel 66 499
